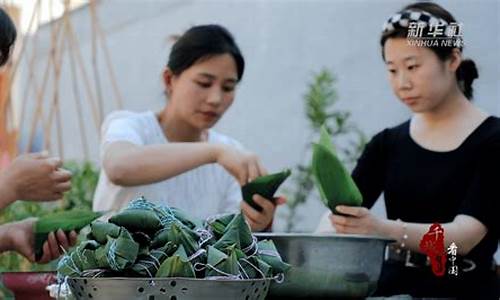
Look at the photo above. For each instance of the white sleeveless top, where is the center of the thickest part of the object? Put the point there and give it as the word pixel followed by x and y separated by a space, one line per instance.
pixel 202 192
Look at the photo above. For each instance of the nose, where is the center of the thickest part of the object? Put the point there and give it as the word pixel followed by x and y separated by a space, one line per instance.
pixel 404 81
pixel 216 96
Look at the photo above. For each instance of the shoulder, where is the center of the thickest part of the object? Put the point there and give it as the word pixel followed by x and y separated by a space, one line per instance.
pixel 128 120
pixel 391 135
pixel 217 137
pixel 135 127
pixel 129 116
pixel 489 137
pixel 491 129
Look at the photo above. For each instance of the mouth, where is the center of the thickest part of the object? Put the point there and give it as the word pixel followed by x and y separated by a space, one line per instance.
pixel 410 100
pixel 209 115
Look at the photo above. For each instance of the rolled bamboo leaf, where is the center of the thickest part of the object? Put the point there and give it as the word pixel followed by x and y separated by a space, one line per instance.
pixel 142 239
pixel 221 264
pixel 270 255
pixel 101 257
pixel 121 252
pixel 80 259
pixel 264 267
pixel 255 267
pixel 181 235
pixel 265 186
pixel 218 224
pixel 148 265
pixel 184 218
pixel 214 257
pixel 237 233
pixel 65 220
pixel 137 220
pixel 67 267
pixel 177 265
pixel 325 140
pixel 332 179
pixel 101 230
pixel 160 238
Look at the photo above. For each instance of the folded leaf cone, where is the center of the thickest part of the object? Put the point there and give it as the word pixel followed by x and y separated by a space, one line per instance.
pixel 334 183
pixel 237 232
pixel 264 186
pixel 177 265
pixel 270 255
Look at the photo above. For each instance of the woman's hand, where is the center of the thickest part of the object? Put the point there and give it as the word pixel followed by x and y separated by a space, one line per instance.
pixel 261 220
pixel 35 177
pixel 243 165
pixel 22 240
pixel 357 220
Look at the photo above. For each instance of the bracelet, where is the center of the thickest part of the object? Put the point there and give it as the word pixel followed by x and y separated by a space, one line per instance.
pixel 402 245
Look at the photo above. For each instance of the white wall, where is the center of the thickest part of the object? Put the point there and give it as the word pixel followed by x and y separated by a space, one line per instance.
pixel 284 42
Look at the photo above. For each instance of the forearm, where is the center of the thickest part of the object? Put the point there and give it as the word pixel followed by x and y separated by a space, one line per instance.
pixel 7 191
pixel 5 238
pixel 149 164
pixel 456 232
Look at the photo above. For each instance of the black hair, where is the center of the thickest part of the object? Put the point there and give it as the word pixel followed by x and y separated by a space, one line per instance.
pixel 7 36
pixel 466 72
pixel 201 42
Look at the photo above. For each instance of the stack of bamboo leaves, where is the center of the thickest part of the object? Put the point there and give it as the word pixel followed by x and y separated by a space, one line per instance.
pixel 148 240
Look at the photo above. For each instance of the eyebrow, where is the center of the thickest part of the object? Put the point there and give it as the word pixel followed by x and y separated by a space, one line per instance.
pixel 412 57
pixel 212 77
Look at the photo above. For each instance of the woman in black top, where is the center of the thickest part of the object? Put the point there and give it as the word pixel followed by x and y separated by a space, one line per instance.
pixel 441 166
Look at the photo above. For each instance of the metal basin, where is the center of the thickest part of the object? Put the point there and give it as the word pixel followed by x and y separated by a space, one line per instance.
pixel 168 289
pixel 331 265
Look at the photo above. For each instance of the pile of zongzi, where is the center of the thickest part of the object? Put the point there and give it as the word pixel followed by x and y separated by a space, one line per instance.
pixel 148 240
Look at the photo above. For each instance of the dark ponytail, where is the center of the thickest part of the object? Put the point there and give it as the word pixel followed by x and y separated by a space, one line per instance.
pixel 7 36
pixel 466 73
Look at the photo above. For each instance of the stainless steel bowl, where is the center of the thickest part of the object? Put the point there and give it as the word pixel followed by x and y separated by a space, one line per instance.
pixel 168 289
pixel 328 265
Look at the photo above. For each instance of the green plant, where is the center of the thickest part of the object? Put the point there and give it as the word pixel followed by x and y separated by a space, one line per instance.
pixel 83 184
pixel 349 140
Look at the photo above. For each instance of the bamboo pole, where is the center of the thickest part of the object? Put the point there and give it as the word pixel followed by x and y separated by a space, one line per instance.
pixel 86 81
pixel 32 77
pixel 76 95
pixel 104 45
pixel 55 33
pixel 97 78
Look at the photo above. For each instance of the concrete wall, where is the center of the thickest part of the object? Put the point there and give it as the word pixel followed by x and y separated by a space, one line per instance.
pixel 284 42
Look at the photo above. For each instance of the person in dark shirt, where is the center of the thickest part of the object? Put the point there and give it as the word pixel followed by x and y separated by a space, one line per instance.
pixel 440 167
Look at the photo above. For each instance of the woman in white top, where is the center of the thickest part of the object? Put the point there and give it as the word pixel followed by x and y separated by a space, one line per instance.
pixel 173 157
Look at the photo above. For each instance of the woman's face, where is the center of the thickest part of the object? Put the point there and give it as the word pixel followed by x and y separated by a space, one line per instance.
pixel 417 76
pixel 202 93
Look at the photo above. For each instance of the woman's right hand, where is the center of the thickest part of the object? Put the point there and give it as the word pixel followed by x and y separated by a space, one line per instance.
pixel 243 165
pixel 35 177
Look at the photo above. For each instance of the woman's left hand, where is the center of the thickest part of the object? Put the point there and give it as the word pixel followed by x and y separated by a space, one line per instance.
pixel 22 240
pixel 357 220
pixel 261 220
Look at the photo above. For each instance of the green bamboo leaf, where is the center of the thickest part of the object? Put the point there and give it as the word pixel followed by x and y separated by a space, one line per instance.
pixel 264 186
